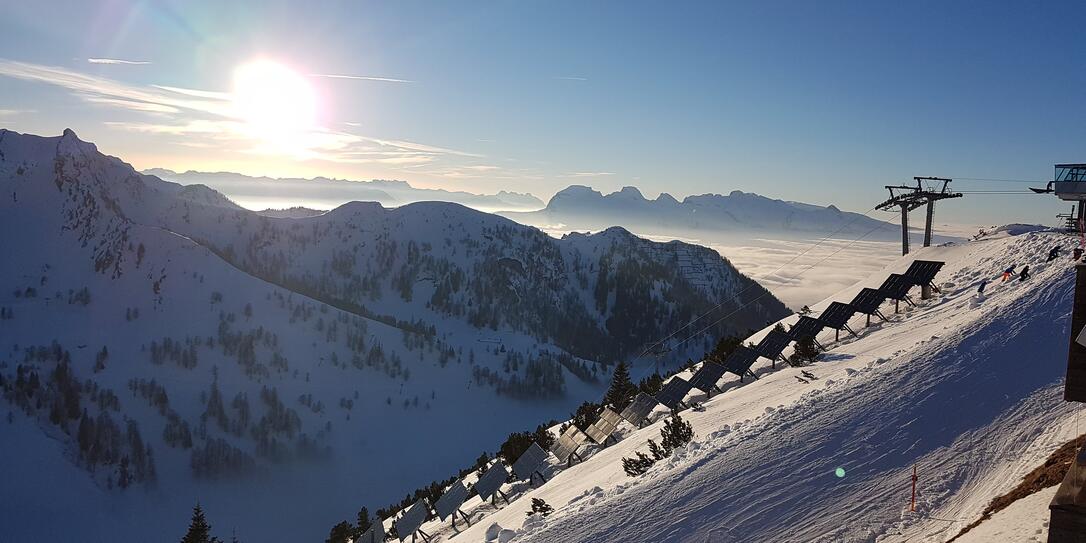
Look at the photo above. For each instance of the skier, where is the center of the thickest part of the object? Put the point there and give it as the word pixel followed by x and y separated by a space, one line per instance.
pixel 1054 253
pixel 1025 274
pixel 983 283
pixel 1007 273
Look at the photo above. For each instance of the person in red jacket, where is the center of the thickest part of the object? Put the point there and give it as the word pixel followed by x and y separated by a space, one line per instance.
pixel 1007 273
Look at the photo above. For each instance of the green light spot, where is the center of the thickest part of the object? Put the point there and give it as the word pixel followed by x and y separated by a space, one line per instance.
pixel 840 472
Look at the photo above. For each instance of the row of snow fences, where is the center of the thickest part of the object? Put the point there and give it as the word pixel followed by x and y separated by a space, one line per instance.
pixel 772 345
pixel 671 395
pixel 740 361
pixel 867 302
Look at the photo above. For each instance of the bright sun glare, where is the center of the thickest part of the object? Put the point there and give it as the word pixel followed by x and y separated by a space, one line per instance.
pixel 277 103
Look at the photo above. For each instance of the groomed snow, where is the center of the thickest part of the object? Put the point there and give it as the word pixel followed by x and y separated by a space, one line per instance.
pixel 967 389
pixel 1024 521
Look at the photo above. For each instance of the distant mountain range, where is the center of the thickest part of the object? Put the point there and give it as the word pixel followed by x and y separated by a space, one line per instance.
pixel 326 193
pixel 583 208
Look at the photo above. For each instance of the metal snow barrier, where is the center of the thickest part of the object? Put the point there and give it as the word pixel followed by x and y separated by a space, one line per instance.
pixel 376 533
pixel 806 327
pixel 836 316
pixel 922 273
pixel 565 447
pixel 706 377
pixel 529 463
pixel 639 410
pixel 491 481
pixel 411 521
pixel 867 301
pixel 673 392
pixel 772 345
pixel 740 361
pixel 896 287
pixel 602 430
pixel 448 505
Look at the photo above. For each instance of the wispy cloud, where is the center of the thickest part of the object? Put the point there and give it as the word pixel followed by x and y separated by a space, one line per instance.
pixel 571 78
pixel 363 78
pixel 116 61
pixel 194 115
pixel 147 107
pixel 9 112
pixel 89 86
pixel 213 95
pixel 589 174
pixel 412 146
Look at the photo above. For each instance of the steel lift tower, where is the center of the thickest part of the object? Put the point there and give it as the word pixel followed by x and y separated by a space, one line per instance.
pixel 908 198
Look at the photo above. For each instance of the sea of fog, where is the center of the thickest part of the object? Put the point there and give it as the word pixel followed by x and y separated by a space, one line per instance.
pixel 805 271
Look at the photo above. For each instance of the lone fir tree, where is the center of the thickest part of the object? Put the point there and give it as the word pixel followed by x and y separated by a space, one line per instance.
pixel 199 529
pixel 622 389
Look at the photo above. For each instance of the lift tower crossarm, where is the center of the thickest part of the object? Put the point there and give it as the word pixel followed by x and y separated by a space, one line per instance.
pixel 908 198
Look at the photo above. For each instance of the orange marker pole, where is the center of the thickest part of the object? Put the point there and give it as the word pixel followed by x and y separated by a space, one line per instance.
pixel 912 503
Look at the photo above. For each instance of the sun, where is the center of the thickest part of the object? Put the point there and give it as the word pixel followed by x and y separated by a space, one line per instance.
pixel 276 102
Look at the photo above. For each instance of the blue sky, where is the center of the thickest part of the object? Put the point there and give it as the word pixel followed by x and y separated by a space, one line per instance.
pixel 823 102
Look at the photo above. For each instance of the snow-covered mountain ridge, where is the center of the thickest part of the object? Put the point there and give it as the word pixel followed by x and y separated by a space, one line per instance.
pixel 579 207
pixel 160 335
pixel 327 192
pixel 966 388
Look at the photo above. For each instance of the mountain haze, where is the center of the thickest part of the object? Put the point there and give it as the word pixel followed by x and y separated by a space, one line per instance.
pixel 580 207
pixel 323 192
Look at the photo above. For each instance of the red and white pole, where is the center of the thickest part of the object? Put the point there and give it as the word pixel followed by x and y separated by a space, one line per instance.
pixel 912 502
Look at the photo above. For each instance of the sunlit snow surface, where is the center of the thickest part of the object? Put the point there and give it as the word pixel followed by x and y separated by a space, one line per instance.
pixel 968 390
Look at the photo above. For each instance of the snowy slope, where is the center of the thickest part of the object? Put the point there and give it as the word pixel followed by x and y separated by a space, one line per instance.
pixel 1024 521
pixel 968 390
pixel 316 408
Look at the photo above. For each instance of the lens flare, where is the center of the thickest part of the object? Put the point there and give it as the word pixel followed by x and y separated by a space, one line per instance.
pixel 276 103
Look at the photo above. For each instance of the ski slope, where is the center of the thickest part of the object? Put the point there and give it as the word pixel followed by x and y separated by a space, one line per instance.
pixel 967 389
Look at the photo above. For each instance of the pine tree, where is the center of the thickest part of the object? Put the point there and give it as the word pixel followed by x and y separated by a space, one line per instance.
pixel 341 533
pixel 658 452
pixel 637 466
pixel 622 389
pixel 85 435
pixel 123 478
pixel 675 433
pixel 199 529
pixel 541 507
pixel 723 348
pixel 586 415
pixel 651 384
pixel 805 353
pixel 364 522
